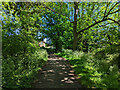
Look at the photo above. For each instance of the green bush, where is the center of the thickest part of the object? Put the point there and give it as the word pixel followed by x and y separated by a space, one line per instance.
pixel 93 71
pixel 19 71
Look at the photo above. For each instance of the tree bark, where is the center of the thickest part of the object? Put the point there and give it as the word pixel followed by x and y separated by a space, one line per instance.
pixel 119 19
pixel 75 34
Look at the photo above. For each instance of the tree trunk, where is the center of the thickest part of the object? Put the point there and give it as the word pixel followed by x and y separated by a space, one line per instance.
pixel 58 43
pixel 119 36
pixel 75 34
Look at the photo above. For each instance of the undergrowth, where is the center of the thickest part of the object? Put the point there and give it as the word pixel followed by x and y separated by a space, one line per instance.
pixel 20 71
pixel 97 69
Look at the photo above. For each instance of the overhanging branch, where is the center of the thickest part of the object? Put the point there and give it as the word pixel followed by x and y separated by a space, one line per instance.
pixel 105 24
pixel 111 10
pixel 114 11
pixel 97 22
pixel 106 9
pixel 113 20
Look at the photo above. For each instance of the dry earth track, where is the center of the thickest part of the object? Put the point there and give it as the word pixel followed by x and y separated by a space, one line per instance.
pixel 56 73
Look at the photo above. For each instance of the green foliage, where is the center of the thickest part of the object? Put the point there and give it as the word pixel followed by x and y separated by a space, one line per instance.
pixel 19 71
pixel 55 20
pixel 93 71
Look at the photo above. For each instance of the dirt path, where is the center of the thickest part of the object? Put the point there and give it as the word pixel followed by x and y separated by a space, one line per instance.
pixel 57 74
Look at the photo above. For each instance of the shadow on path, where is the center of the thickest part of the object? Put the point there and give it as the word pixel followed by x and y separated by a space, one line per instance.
pixel 57 73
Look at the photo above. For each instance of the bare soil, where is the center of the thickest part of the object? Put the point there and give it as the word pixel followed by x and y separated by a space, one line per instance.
pixel 56 73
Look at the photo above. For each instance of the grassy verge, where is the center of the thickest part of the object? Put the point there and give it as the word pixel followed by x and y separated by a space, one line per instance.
pixel 97 69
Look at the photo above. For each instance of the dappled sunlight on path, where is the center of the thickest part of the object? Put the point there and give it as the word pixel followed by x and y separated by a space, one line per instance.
pixel 57 73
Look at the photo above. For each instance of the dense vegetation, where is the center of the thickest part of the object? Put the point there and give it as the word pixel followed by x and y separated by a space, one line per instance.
pixel 19 71
pixel 89 29
pixel 98 69
pixel 21 54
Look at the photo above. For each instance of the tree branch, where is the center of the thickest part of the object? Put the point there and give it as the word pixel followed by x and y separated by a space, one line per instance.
pixel 113 20
pixel 104 19
pixel 92 25
pixel 105 24
pixel 114 11
pixel 111 9
pixel 106 9
pixel 97 22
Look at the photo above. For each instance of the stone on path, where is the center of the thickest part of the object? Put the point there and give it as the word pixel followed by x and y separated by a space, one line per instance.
pixel 57 73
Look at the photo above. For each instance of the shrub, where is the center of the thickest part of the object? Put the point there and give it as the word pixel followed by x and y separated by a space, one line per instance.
pixel 19 71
